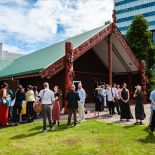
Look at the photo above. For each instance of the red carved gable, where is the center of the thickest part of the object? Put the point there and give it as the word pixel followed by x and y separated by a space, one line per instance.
pixel 83 48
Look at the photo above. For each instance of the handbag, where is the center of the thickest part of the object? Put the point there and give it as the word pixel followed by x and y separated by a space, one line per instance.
pixel 37 106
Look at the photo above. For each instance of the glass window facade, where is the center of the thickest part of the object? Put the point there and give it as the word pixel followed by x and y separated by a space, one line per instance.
pixel 153 37
pixel 127 9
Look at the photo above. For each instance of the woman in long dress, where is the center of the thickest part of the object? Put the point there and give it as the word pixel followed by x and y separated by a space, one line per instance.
pixel 56 107
pixel 139 108
pixel 98 102
pixel 125 107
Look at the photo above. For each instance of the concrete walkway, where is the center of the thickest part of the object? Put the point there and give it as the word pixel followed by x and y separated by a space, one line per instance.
pixel 104 116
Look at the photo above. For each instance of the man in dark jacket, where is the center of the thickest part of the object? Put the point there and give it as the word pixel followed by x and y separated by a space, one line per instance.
pixel 72 98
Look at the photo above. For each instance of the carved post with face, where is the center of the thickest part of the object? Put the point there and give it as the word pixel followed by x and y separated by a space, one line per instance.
pixel 69 71
pixel 143 79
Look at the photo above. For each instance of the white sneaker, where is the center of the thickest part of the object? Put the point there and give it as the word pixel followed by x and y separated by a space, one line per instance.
pixel 83 120
pixel 43 131
pixel 51 129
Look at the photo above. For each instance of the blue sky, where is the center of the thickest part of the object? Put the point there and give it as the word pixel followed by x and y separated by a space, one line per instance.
pixel 29 25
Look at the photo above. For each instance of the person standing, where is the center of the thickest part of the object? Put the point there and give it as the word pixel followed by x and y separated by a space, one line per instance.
pixel 116 102
pixel 72 98
pixel 30 98
pixel 35 89
pixel 102 92
pixel 139 108
pixel 152 107
pixel 125 107
pixel 17 108
pixel 110 99
pixel 4 107
pixel 11 96
pixel 56 107
pixel 119 97
pixel 98 102
pixel 47 99
pixel 81 102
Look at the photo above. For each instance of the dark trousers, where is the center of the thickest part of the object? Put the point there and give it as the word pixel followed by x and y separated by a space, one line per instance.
pixel 47 113
pixel 17 112
pixel 29 110
pixel 70 112
pixel 117 105
pixel 152 121
pixel 111 107
pixel 10 113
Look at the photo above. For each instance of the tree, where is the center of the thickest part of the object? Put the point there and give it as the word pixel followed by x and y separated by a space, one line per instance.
pixel 151 62
pixel 138 38
pixel 107 22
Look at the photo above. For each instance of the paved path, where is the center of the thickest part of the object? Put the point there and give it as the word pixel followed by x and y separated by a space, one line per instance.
pixel 104 116
pixel 116 118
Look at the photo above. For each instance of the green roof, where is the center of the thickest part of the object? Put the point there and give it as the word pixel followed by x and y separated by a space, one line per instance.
pixel 36 61
pixel 4 63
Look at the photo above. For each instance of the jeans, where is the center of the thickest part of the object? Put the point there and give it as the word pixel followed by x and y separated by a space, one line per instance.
pixel 17 112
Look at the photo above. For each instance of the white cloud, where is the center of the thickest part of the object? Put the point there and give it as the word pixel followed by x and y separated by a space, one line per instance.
pixel 38 23
pixel 17 2
pixel 12 49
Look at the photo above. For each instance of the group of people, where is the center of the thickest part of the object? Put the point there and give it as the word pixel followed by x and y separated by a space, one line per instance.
pixel 111 97
pixel 11 104
pixel 116 97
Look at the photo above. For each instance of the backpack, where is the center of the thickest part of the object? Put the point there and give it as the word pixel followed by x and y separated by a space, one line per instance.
pixel 11 93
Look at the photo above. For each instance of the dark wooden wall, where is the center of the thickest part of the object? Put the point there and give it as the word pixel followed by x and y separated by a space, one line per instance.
pixel 89 69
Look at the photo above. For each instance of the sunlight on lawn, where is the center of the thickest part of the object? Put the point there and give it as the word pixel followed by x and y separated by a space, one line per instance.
pixel 89 138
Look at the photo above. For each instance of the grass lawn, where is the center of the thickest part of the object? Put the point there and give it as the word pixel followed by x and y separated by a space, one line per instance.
pixel 90 138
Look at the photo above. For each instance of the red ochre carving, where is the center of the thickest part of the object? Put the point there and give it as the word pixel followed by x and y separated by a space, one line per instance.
pixel 60 64
pixel 143 79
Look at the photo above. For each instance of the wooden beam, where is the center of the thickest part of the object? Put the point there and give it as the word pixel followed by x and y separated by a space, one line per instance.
pixel 110 59
pixel 20 77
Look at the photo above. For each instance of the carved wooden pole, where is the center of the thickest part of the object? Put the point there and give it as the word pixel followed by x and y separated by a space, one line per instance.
pixel 110 59
pixel 130 84
pixel 69 72
pixel 143 79
pixel 114 16
pixel 110 48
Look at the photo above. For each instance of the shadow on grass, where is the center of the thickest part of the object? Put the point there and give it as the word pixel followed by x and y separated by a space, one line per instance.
pixel 62 128
pixel 36 128
pixel 57 129
pixel 150 138
pixel 21 136
pixel 130 126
